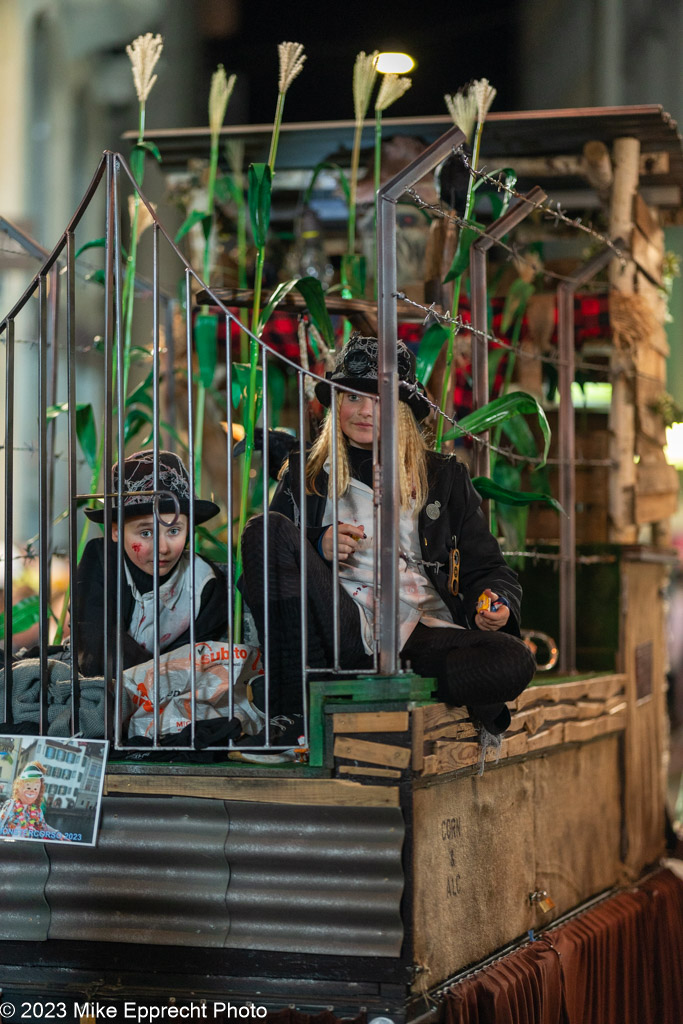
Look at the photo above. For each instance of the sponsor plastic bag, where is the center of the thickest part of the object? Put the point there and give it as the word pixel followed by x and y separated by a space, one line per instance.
pixel 213 684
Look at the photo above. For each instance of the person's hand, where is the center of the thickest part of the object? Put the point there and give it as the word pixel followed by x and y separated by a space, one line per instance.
pixel 491 620
pixel 349 534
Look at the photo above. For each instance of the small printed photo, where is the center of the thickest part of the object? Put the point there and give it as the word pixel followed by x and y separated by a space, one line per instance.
pixel 51 789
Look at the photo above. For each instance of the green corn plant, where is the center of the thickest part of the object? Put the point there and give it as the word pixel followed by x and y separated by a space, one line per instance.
pixel 260 176
pixel 468 107
pixel 206 323
pixel 506 414
pixel 25 613
pixel 144 53
pixel 353 264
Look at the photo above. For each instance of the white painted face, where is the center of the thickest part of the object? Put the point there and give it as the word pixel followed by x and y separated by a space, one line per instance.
pixel 138 542
pixel 30 790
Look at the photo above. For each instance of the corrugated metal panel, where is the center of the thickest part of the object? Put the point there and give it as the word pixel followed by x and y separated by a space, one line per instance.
pixel 157 875
pixel 24 913
pixel 315 879
pixel 193 872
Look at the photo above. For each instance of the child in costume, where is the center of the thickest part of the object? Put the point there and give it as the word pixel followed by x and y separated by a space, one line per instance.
pixel 447 557
pixel 174 567
pixel 22 817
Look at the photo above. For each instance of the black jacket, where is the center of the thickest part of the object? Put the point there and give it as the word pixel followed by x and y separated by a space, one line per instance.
pixel 459 524
pixel 210 624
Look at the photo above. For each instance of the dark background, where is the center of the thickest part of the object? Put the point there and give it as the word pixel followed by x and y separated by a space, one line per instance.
pixel 451 43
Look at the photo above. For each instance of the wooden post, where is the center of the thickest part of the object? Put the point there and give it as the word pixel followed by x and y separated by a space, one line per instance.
pixel 598 169
pixel 626 158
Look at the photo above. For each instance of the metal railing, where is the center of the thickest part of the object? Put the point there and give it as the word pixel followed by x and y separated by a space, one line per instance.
pixel 115 175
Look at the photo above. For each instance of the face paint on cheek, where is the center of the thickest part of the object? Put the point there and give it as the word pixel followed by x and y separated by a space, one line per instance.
pixel 137 548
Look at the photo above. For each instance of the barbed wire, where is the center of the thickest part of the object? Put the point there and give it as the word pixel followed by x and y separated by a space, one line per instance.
pixel 550 208
pixel 515 252
pixel 546 556
pixel 552 359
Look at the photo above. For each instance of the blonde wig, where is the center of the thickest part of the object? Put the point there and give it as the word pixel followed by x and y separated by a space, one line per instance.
pixel 412 462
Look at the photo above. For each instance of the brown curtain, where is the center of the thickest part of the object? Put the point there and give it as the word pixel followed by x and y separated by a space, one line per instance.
pixel 619 963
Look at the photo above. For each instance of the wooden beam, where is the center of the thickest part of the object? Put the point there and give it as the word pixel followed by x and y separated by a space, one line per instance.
pixel 336 792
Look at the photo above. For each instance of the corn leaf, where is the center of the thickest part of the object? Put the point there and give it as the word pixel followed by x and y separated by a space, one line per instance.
pixel 498 411
pixel 430 345
pixel 488 488
pixel 135 421
pixel 494 357
pixel 515 304
pixel 329 166
pixel 86 431
pixel 25 614
pixel 97 243
pixel 141 394
pixel 520 433
pixel 277 387
pixel 240 385
pixel 461 259
pixel 206 345
pixel 148 147
pixel 277 296
pixel 501 200
pixel 210 545
pixel 353 273
pixel 511 519
pixel 260 180
pixel 312 293
pixel 196 217
pixel 227 188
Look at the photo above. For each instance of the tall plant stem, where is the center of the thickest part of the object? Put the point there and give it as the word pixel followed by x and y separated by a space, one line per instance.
pixel 450 342
pixel 353 187
pixel 275 138
pixel 251 394
pixel 248 435
pixel 242 270
pixel 200 405
pixel 128 296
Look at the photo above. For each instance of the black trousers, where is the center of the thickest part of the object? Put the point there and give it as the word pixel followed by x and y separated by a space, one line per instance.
pixel 472 667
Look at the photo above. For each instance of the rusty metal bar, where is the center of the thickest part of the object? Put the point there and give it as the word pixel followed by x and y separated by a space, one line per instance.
pixel 9 513
pixel 387 387
pixel 72 473
pixel 566 462
pixel 43 527
pixel 480 366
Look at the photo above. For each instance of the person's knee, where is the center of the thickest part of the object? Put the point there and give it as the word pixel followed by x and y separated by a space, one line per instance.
pixel 521 666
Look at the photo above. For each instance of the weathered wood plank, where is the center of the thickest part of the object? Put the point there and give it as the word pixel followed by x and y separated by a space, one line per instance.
pixel 647 257
pixel 512 746
pixel 370 721
pixel 651 508
pixel 448 757
pixel 438 714
pixel 417 738
pixel 581 731
pixel 337 792
pixel 551 737
pixel 385 773
pixel 454 731
pixel 373 753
